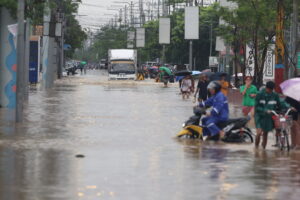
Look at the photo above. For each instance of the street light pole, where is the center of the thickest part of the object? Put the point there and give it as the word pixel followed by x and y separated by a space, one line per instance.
pixel 20 62
pixel 210 40
pixel 191 46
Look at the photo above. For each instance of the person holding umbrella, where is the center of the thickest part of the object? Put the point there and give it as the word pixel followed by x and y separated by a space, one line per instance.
pixel 291 89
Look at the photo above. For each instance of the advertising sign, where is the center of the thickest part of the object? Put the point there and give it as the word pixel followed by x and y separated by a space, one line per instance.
pixel 140 37
pixel 164 30
pixel 130 39
pixel 249 61
pixel 269 68
pixel 220 44
pixel 191 25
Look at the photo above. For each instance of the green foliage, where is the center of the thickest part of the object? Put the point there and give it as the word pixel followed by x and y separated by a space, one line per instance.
pixel 254 23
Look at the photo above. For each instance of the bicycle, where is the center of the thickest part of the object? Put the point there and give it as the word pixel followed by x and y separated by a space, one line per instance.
pixel 283 123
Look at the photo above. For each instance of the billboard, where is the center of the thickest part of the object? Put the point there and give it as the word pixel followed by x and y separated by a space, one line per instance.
pixel 191 23
pixel 269 68
pixel 140 37
pixel 130 39
pixel 249 61
pixel 220 44
pixel 164 30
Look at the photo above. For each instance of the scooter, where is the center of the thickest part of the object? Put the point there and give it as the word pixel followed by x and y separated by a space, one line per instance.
pixel 235 130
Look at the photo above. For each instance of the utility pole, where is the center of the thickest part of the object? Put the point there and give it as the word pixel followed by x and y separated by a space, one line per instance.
pixel 191 46
pixel 125 15
pixel 131 14
pixel 20 63
pixel 26 60
pixel 158 9
pixel 47 52
pixel 210 39
pixel 62 42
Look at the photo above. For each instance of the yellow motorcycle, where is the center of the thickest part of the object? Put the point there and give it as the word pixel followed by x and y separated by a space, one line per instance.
pixel 236 130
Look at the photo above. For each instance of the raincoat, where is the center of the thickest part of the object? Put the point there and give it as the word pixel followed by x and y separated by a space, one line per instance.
pixel 264 102
pixel 219 113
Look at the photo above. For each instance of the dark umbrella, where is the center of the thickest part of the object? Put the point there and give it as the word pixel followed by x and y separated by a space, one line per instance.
pixel 183 73
pixel 217 76
pixel 210 75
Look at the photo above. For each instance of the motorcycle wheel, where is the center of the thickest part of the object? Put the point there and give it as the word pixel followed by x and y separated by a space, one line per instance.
pixel 246 137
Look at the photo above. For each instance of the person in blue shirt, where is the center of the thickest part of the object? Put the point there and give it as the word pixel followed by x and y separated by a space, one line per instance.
pixel 219 112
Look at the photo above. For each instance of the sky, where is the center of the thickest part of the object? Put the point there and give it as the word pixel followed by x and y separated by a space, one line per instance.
pixel 94 13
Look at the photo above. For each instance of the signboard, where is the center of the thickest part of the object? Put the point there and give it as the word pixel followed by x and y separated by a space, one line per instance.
pixel 130 39
pixel 220 44
pixel 164 30
pixel 269 68
pixel 213 61
pixel 249 61
pixel 298 63
pixel 140 37
pixel 191 25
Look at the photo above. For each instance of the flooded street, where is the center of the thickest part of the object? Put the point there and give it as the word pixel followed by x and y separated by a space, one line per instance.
pixel 125 134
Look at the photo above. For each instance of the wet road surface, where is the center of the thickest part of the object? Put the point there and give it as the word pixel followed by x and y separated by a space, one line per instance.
pixel 125 130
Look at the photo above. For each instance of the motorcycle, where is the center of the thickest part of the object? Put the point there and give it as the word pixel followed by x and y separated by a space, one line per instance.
pixel 235 130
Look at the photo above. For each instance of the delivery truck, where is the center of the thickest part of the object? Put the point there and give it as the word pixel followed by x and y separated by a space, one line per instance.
pixel 122 64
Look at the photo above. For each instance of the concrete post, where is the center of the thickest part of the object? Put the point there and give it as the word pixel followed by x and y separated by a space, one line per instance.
pixel 47 52
pixel 20 63
pixel 26 65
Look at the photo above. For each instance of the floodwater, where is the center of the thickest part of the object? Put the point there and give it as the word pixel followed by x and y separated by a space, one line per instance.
pixel 125 131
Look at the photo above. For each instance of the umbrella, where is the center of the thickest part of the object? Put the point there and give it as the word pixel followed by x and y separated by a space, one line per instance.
pixel 217 76
pixel 195 73
pixel 209 75
pixel 183 73
pixel 291 88
pixel 83 62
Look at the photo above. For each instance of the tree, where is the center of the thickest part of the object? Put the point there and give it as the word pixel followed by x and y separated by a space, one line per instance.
pixel 252 23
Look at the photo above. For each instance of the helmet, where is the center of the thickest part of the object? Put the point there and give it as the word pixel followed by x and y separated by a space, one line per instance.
pixel 214 85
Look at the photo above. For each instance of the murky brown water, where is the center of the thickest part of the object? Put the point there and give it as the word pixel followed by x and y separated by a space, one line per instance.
pixel 126 132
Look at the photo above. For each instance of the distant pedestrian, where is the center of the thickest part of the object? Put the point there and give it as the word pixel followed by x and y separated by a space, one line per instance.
pixel 249 93
pixel 224 84
pixel 202 91
pixel 186 87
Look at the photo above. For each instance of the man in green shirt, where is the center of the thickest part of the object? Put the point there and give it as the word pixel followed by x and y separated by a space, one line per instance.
pixel 249 92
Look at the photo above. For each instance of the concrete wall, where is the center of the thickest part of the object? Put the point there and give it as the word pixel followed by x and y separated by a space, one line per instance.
pixel 8 61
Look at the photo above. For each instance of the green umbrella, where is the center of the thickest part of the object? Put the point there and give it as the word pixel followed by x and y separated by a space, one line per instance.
pixel 83 62
pixel 165 69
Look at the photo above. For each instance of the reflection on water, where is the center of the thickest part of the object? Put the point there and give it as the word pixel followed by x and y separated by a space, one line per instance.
pixel 125 132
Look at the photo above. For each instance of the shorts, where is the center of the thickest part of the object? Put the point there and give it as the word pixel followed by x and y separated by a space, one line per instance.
pixel 247 109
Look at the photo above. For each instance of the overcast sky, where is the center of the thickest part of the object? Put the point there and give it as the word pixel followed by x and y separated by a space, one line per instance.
pixel 97 12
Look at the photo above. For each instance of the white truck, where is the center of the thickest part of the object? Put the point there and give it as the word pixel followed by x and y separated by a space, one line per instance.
pixel 122 64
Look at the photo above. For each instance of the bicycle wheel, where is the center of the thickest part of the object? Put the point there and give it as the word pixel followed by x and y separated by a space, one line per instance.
pixel 282 141
pixel 286 138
